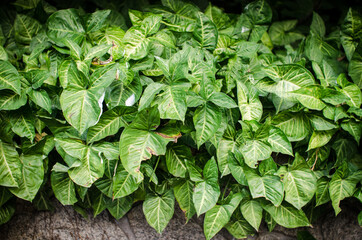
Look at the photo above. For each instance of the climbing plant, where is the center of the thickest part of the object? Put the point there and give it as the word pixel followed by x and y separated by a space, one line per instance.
pixel 241 117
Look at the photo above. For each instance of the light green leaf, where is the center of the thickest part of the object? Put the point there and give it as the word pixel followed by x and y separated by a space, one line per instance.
pixel 310 97
pixel 136 43
pixel 300 186
pixel 69 75
pixel 268 186
pixel 354 128
pixel 287 216
pixel 22 125
pixel 222 151
pixel 295 126
pixel 63 188
pixel 254 151
pixel 217 217
pixel 236 169
pixel 205 32
pixel 32 174
pixel 110 123
pixel 322 192
pixel 149 94
pixel 90 167
pixel 10 165
pixel 252 212
pixel 172 102
pixel 206 192
pixel 321 124
pixel 9 77
pixel 10 100
pixel 151 24
pixel 175 159
pixel 139 142
pixel 97 51
pixel 320 138
pixel 340 188
pixel 279 141
pixel 222 100
pixel 183 192
pixel 65 24
pixel 81 108
pixel 207 120
pixel 159 210
pixel 123 183
pixel 354 95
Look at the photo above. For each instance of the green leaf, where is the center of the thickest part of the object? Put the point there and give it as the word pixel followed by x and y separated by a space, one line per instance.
pixel 10 100
pixel 175 159
pixel 183 192
pixel 299 186
pixel 25 28
pixel 254 151
pixel 90 167
pixel 321 124
pixel 222 100
pixel 236 169
pixel 354 128
pixel 63 188
pixel 120 206
pixel 317 26
pixel 81 108
pixel 355 66
pixel 252 212
pixel 217 217
pixel 350 32
pixel 139 142
pixel 207 120
pixel 9 77
pixel 65 24
pixel 159 210
pixel 320 138
pixel 340 188
pixel 6 212
pixel 240 228
pixel 32 174
pixel 267 186
pixel 151 24
pixel 205 32
pixel 207 191
pixel 353 94
pixel 295 126
pixel 224 147
pixel 123 183
pixel 41 98
pixel 110 123
pixel 97 20
pixel 281 32
pixel 149 94
pixel 322 192
pixel 287 216
pixel 10 165
pixel 97 51
pixel 310 97
pixel 136 43
pixel 22 125
pixel 172 102
pixel 279 141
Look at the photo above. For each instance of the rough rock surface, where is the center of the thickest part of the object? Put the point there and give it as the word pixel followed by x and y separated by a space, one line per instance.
pixel 65 223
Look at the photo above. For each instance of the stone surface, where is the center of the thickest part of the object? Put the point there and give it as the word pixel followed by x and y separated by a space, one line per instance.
pixel 65 223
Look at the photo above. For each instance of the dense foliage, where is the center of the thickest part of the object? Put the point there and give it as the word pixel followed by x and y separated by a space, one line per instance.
pixel 240 117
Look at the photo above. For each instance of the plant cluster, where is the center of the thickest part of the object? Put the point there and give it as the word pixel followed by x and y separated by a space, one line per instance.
pixel 237 117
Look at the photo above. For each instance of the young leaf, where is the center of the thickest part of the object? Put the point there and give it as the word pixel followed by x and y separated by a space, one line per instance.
pixel 159 210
